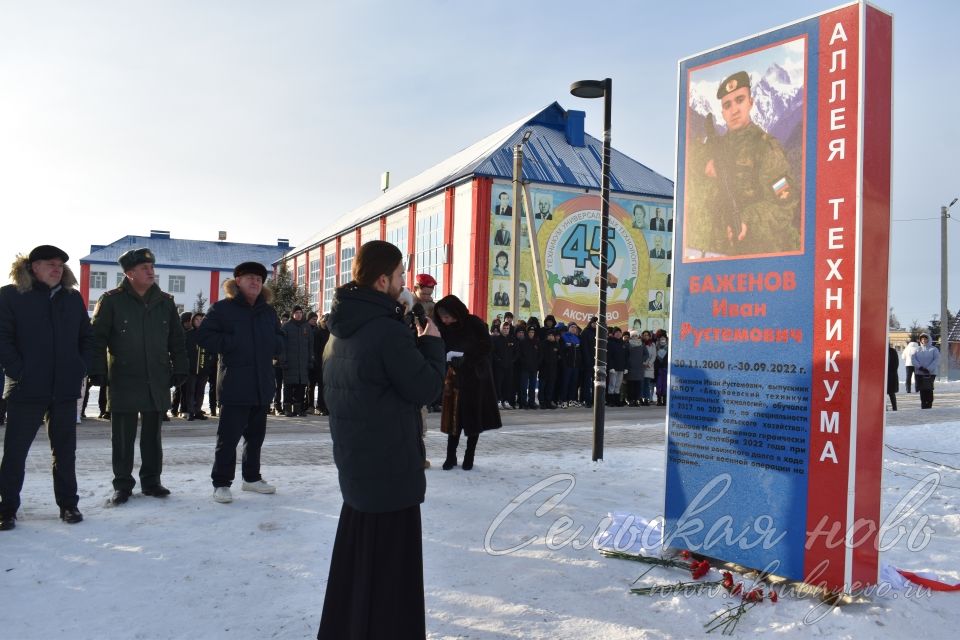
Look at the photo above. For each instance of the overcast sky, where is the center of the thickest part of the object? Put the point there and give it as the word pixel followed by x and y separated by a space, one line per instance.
pixel 270 119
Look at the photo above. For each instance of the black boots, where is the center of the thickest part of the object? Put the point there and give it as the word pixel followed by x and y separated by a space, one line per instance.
pixel 468 454
pixel 71 515
pixel 157 491
pixel 452 443
pixel 119 497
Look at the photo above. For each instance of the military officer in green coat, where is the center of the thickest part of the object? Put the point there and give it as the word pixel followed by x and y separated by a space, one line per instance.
pixel 139 351
pixel 744 198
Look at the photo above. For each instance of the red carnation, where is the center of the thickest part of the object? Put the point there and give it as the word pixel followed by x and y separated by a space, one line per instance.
pixel 773 596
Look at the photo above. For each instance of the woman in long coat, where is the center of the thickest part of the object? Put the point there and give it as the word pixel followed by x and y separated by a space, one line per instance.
pixel 476 404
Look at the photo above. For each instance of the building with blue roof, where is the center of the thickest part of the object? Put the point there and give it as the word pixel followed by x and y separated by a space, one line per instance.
pixel 455 221
pixel 184 267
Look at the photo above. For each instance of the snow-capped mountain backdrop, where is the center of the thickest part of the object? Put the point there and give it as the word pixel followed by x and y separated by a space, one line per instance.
pixel 778 101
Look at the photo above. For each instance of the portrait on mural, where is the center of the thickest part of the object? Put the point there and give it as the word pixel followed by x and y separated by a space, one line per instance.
pixel 502 237
pixel 744 155
pixel 503 206
pixel 544 208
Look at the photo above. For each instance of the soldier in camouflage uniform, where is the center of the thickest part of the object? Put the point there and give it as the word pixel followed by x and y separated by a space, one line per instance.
pixel 744 199
pixel 139 350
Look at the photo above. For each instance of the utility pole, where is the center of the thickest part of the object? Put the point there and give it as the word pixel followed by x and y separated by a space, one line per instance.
pixel 944 310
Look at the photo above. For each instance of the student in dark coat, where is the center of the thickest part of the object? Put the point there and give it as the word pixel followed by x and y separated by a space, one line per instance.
pixel 45 349
pixel 191 400
pixel 296 363
pixel 477 400
pixel 616 366
pixel 242 328
pixel 528 361
pixel 893 376
pixel 504 359
pixel 549 364
pixel 376 377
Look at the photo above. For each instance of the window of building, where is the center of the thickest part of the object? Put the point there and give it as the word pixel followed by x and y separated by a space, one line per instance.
pixel 430 250
pixel 346 264
pixel 301 275
pixel 180 308
pixel 177 284
pixel 329 279
pixel 120 278
pixel 315 284
pixel 98 279
pixel 92 306
pixel 397 235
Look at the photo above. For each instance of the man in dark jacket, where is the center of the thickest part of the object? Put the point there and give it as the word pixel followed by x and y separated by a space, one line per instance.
pixel 138 349
pixel 296 363
pixel 376 377
pixel 242 328
pixel 44 353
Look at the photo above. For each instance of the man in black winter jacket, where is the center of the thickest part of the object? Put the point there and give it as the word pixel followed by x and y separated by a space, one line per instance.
pixel 242 328
pixel 376 376
pixel 45 349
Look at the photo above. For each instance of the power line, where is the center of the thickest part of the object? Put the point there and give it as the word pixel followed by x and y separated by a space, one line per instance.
pixel 913 219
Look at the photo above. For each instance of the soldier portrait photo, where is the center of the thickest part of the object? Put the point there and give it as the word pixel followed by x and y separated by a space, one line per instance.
pixel 744 154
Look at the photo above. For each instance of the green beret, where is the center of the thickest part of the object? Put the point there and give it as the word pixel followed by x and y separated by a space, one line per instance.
pixel 132 258
pixel 732 83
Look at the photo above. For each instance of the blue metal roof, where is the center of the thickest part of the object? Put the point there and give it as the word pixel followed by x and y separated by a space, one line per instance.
pixel 549 157
pixel 190 254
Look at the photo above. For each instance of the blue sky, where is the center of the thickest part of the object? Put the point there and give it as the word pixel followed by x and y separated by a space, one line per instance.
pixel 270 119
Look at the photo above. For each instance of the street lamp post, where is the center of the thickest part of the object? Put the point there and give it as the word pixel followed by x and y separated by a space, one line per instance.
pixel 597 89
pixel 944 309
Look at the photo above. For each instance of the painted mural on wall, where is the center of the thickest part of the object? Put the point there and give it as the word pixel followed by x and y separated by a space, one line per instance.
pixel 568 241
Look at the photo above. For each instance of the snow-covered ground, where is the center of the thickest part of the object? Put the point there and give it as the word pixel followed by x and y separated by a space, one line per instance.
pixel 186 567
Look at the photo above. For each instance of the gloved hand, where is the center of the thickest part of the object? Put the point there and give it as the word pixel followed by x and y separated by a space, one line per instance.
pixel 98 381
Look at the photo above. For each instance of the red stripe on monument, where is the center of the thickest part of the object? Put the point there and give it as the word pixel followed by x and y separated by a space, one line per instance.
pixel 835 238
pixel 873 304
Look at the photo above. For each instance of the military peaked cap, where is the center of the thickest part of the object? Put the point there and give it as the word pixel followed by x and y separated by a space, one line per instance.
pixel 132 258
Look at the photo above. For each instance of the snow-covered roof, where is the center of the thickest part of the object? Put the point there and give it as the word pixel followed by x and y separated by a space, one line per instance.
pixel 954 334
pixel 189 254
pixel 548 158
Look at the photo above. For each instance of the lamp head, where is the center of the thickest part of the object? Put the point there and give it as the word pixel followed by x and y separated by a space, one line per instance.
pixel 588 88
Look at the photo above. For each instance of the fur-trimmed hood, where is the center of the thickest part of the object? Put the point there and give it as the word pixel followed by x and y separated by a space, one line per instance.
pixel 231 290
pixel 24 279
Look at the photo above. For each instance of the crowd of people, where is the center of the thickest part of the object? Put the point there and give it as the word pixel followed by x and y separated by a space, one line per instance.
pixel 380 360
pixel 552 365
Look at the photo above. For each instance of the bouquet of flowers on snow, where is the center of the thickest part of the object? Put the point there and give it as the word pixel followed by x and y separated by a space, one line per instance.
pixel 648 549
